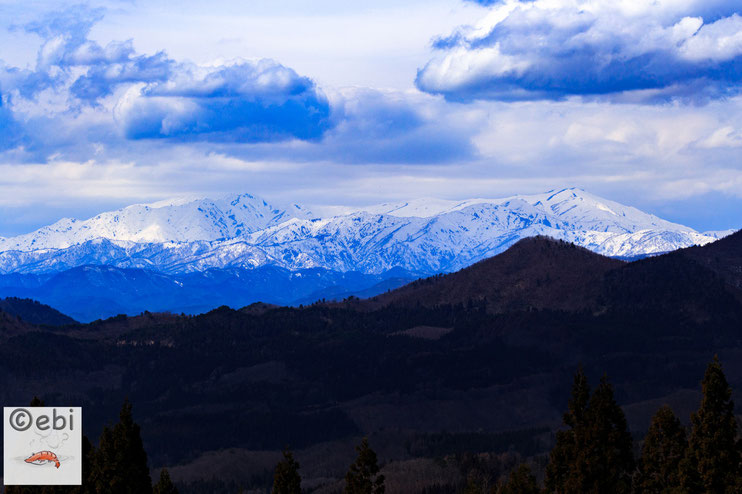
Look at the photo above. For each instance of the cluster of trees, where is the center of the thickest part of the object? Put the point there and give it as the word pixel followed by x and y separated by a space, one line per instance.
pixel 117 466
pixel 594 454
pixel 362 478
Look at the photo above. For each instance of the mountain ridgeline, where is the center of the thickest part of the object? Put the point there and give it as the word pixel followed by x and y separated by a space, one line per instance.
pixel 536 273
pixel 543 274
pixel 175 255
pixel 33 312
pixel 476 362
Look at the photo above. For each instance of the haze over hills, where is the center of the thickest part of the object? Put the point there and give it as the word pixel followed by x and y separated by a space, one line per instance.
pixel 94 292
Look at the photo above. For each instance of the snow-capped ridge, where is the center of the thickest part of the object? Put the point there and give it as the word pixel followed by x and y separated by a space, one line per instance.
pixel 573 205
pixel 421 235
pixel 173 220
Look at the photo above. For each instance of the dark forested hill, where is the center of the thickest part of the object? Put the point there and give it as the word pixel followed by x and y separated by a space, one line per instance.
pixel 34 312
pixel 480 360
pixel 12 325
pixel 536 272
pixel 723 257
pixel 545 274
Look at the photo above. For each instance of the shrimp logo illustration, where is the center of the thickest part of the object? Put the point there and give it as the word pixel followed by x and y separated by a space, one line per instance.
pixel 42 458
pixel 43 446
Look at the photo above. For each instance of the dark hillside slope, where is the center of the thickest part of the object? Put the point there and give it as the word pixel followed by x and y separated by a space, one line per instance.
pixel 671 283
pixel 12 325
pixel 545 274
pixel 698 283
pixel 724 257
pixel 34 312
pixel 537 272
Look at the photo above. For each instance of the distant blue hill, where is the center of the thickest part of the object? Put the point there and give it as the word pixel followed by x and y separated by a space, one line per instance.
pixel 87 293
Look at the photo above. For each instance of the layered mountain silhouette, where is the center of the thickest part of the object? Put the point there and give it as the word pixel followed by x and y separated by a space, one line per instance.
pixel 423 236
pixel 535 273
pixel 542 273
pixel 485 354
pixel 192 255
pixel 96 292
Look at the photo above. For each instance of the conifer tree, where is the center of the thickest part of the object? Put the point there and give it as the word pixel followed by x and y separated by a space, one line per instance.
pixel 286 478
pixel 713 458
pixel 663 451
pixel 564 452
pixel 88 457
pixel 121 462
pixel 604 461
pixel 363 475
pixel 520 481
pixel 165 484
pixel 595 454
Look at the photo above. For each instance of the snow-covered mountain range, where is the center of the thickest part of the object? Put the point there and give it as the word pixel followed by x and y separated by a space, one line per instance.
pixel 422 236
pixel 175 220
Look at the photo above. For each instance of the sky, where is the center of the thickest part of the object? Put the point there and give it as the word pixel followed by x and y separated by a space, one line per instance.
pixel 326 103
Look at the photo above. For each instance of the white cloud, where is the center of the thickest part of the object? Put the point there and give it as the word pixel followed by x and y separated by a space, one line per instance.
pixel 551 49
pixel 384 144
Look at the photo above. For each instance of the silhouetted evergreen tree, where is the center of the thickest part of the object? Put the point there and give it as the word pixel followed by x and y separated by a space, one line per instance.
pixel 520 481
pixel 286 479
pixel 165 484
pixel 595 454
pixel 605 460
pixel 88 461
pixel 563 454
pixel 663 451
pixel 363 475
pixel 713 458
pixel 121 462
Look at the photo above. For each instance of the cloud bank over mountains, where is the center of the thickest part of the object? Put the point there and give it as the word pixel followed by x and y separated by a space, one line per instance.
pixel 109 103
pixel 621 50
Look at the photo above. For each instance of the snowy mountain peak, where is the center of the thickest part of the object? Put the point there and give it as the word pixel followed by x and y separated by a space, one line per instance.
pixel 184 219
pixel 572 206
pixel 421 235
pixel 576 206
